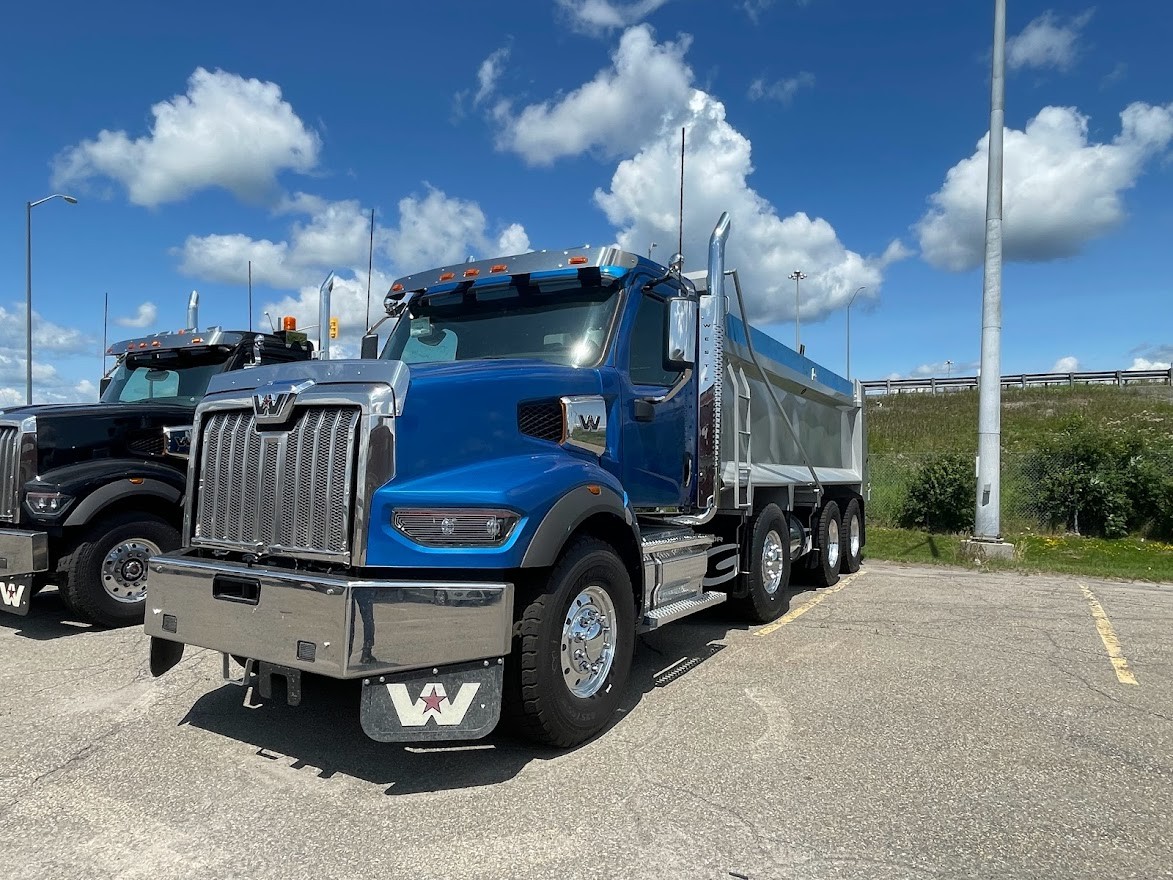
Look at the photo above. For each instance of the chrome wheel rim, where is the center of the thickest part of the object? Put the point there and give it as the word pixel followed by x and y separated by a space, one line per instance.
pixel 833 545
pixel 853 536
pixel 772 563
pixel 588 641
pixel 124 570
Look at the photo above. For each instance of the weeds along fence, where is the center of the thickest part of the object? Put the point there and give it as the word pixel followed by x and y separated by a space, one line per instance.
pixel 1042 492
pixel 1097 460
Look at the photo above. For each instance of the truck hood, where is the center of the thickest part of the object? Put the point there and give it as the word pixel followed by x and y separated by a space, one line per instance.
pixel 465 412
pixel 75 433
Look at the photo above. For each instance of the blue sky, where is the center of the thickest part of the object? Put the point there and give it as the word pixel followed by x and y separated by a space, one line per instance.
pixel 844 136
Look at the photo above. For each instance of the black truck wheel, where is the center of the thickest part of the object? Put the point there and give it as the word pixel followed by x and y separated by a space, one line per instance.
pixel 769 573
pixel 851 538
pixel 105 577
pixel 572 654
pixel 827 529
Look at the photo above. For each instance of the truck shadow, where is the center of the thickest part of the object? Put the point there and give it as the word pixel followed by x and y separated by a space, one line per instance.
pixel 322 736
pixel 48 619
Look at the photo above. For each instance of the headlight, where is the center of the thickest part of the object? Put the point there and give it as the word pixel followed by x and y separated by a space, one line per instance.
pixel 456 527
pixel 47 503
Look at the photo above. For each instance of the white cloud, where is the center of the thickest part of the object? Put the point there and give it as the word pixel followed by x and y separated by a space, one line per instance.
pixel 610 113
pixel 1047 42
pixel 606 115
pixel 1069 364
pixel 145 316
pixel 1060 191
pixel 47 336
pixel 1155 358
pixel 49 386
pixel 606 15
pixel 225 131
pixel 939 370
pixel 488 74
pixel 783 90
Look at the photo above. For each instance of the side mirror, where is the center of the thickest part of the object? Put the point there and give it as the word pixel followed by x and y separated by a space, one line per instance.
pixel 681 332
pixel 369 349
pixel 103 384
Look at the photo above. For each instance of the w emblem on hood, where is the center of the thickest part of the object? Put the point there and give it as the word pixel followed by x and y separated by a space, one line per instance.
pixel 273 403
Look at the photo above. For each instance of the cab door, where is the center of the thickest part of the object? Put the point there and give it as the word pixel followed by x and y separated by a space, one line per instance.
pixel 659 408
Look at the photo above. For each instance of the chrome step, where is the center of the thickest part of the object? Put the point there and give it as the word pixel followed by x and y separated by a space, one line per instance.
pixel 657 617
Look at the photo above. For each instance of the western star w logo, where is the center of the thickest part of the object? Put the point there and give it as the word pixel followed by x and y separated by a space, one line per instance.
pixel 273 403
pixel 11 594
pixel 588 423
pixel 433 704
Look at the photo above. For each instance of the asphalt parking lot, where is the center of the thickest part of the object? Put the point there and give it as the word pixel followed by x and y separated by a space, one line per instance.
pixel 910 722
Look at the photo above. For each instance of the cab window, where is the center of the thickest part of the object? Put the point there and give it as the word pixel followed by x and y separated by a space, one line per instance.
pixel 649 344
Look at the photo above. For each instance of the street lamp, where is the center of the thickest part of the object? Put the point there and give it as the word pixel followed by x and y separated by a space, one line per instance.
pixel 28 288
pixel 796 276
pixel 849 302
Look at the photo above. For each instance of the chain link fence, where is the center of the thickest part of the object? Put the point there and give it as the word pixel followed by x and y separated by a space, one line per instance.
pixel 1039 493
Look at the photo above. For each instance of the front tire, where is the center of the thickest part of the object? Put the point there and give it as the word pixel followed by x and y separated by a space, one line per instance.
pixel 769 574
pixel 105 577
pixel 572 655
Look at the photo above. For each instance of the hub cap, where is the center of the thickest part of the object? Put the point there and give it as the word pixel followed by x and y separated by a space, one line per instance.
pixel 588 641
pixel 124 570
pixel 853 537
pixel 833 545
pixel 772 563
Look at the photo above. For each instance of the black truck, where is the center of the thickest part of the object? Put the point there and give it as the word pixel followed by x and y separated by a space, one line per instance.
pixel 89 491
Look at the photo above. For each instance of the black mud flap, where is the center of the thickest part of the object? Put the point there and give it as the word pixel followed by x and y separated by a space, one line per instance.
pixel 165 654
pixel 16 591
pixel 452 702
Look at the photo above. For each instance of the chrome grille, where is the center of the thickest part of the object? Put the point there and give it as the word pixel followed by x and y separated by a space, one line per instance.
pixel 288 490
pixel 9 473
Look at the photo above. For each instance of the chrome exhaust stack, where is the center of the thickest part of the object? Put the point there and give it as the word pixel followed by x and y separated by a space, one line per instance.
pixel 710 368
pixel 193 311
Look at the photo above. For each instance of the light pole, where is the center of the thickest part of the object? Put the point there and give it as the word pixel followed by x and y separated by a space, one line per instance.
pixel 28 288
pixel 849 302
pixel 796 276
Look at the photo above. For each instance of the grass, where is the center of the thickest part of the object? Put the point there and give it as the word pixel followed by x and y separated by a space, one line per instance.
pixel 1129 558
pixel 921 423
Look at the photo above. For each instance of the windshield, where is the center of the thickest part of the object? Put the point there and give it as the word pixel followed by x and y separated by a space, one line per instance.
pixel 165 376
pixel 565 326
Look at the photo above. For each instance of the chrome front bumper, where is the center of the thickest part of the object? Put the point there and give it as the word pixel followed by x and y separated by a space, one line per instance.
pixel 334 626
pixel 23 552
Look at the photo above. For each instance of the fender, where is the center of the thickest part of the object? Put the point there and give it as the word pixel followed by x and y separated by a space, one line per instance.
pixel 97 484
pixel 568 513
pixel 104 496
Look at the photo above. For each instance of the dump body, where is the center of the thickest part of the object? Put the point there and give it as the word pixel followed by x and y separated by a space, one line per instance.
pixel 824 409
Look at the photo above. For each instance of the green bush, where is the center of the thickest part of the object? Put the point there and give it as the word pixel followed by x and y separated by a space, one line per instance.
pixel 941 495
pixel 1098 482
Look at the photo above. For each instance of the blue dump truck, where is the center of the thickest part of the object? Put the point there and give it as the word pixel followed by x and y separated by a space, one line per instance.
pixel 552 453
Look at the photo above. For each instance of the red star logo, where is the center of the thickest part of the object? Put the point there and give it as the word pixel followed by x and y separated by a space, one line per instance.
pixel 432 701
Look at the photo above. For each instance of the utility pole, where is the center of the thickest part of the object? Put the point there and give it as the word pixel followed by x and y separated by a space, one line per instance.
pixel 796 276
pixel 987 533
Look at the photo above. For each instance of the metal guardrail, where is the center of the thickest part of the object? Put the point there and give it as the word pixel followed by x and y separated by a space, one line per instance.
pixel 933 384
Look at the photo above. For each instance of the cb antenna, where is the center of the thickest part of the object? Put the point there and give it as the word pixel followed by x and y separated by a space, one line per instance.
pixel 370 267
pixel 680 240
pixel 250 296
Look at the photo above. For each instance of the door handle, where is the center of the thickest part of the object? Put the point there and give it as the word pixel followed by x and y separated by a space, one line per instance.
pixel 645 410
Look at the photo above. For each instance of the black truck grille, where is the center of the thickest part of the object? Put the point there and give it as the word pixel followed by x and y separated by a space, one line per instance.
pixel 9 473
pixel 541 420
pixel 288 491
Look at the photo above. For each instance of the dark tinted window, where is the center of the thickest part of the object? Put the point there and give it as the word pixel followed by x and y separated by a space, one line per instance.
pixel 649 343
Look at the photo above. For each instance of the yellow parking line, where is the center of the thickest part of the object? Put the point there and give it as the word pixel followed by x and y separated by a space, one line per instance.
pixel 795 613
pixel 1108 637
